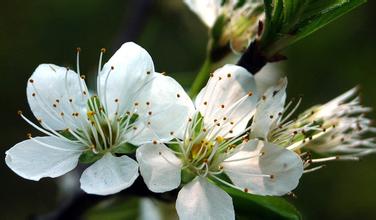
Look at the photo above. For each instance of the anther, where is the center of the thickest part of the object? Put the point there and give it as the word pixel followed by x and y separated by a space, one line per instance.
pixel 271 116
pixel 150 113
pixel 229 75
pixel 224 118
pixel 147 103
pixel 231 131
pixel 70 100
pixel 155 142
pixel 84 92
pixel 246 190
pixel 103 50
pixel 112 68
pixel 178 95
pixel 62 113
pixel 222 106
pixel 31 80
pixel 190 119
pixel 136 104
pixel 54 105
pixel 29 135
pixel 204 130
pixel 116 100
pixel 19 112
pixel 272 176
pixel 171 133
pixel 83 77
pixel 263 97
pixel 78 49
pixel 250 93
pixel 205 103
pixel 148 72
pixel 219 78
pixel 33 94
pixel 57 100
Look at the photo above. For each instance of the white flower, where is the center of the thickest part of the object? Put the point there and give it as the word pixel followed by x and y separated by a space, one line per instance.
pixel 343 127
pixel 134 105
pixel 240 19
pixel 215 143
pixel 337 129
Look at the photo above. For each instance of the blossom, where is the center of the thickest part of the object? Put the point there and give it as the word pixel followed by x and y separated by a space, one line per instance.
pixel 342 127
pixel 133 105
pixel 215 144
pixel 240 19
pixel 337 129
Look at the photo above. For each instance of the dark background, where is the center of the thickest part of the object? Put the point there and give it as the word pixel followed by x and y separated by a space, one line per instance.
pixel 320 67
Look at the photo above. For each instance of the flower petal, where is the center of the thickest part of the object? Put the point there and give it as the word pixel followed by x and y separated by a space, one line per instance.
pixel 109 175
pixel 229 98
pixel 159 167
pixel 257 158
pixel 200 199
pixel 269 110
pixel 33 159
pixel 268 76
pixel 123 76
pixel 163 109
pixel 54 93
pixel 207 10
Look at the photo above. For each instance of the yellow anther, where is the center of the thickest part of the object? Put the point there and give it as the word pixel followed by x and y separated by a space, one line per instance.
pixel 90 113
pixel 219 139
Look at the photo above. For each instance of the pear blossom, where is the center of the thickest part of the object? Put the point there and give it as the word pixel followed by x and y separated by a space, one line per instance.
pixel 132 105
pixel 240 19
pixel 337 129
pixel 215 144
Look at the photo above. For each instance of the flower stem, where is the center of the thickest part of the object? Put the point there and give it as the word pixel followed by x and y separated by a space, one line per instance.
pixel 201 78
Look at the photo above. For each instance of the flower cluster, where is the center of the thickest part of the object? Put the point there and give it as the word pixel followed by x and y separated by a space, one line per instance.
pixel 231 135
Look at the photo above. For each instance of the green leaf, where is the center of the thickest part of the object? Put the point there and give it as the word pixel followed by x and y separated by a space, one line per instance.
pixel 264 207
pixel 288 21
pixel 125 148
pixel 89 157
pixel 115 209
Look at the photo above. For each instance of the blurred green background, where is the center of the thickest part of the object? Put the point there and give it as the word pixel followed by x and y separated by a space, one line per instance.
pixel 320 67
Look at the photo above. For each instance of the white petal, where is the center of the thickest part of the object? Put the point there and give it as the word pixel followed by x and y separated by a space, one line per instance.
pixel 159 167
pixel 268 76
pixel 109 175
pixel 149 210
pixel 132 69
pixel 33 160
pixel 269 109
pixel 200 199
pixel 285 166
pixel 53 90
pixel 220 99
pixel 207 10
pixel 167 111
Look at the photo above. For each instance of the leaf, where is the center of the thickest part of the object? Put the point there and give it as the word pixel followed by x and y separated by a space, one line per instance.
pixel 288 21
pixel 115 209
pixel 125 148
pixel 264 207
pixel 89 157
